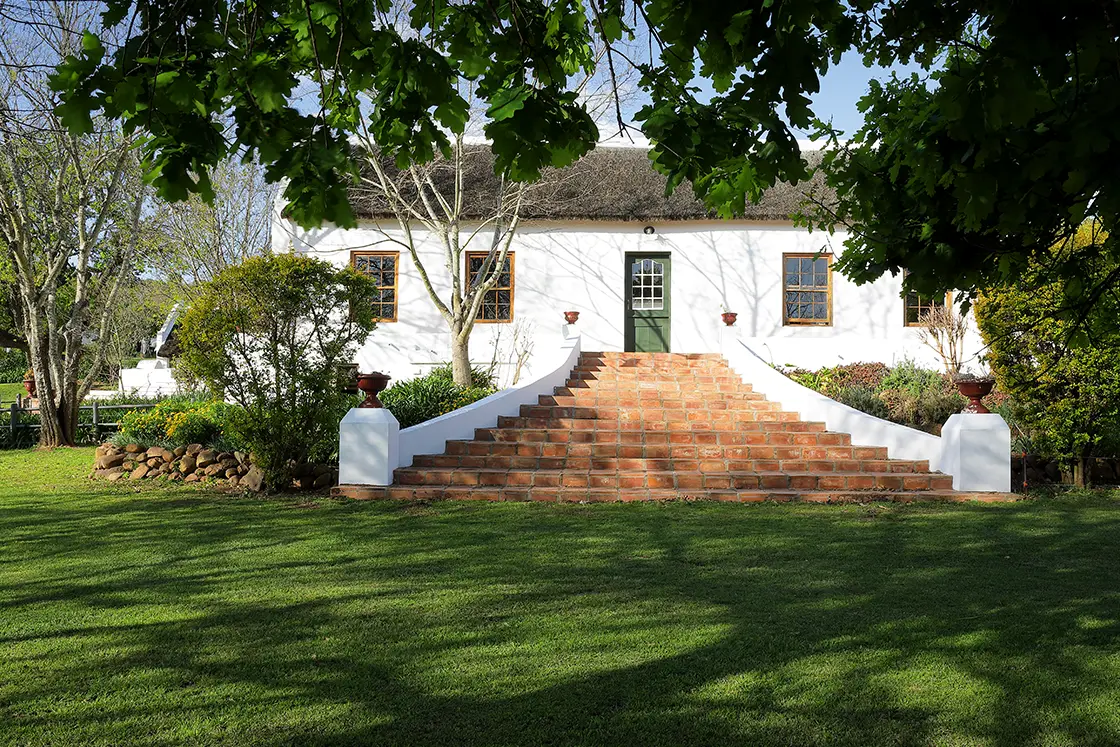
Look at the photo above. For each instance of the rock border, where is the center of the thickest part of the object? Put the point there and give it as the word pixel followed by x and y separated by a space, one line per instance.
pixel 198 464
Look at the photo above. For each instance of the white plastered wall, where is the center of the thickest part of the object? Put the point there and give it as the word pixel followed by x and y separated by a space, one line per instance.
pixel 579 266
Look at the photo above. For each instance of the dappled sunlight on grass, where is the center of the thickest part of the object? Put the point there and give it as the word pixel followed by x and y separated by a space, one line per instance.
pixel 160 615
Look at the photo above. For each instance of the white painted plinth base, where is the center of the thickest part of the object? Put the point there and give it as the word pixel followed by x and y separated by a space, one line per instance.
pixel 976 451
pixel 368 448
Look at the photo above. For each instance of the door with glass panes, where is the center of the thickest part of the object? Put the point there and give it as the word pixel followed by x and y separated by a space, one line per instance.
pixel 647 303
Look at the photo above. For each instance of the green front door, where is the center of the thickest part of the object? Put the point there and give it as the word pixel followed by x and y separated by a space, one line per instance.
pixel 647 303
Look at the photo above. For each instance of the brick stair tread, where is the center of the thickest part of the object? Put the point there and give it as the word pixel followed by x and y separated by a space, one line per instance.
pixel 517 427
pixel 669 480
pixel 705 465
pixel 422 493
pixel 630 471
pixel 526 423
pixel 626 450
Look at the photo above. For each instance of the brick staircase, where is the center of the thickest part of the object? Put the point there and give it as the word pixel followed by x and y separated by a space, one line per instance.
pixel 660 426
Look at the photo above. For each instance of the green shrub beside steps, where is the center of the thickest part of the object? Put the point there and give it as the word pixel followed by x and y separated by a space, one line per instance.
pixel 414 401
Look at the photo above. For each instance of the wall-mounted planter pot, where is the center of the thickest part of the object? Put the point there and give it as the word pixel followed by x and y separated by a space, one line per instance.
pixel 29 385
pixel 372 384
pixel 571 317
pixel 729 317
pixel 975 390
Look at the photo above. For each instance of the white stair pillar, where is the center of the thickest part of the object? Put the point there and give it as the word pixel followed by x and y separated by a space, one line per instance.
pixel 369 447
pixel 976 451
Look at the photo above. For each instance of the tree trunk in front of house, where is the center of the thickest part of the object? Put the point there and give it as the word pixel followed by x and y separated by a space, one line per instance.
pixel 460 358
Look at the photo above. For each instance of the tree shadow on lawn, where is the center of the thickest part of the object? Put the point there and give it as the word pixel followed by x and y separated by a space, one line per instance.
pixel 606 625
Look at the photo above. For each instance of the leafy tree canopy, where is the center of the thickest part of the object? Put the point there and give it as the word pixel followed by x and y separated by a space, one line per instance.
pixel 970 178
pixel 186 66
pixel 965 177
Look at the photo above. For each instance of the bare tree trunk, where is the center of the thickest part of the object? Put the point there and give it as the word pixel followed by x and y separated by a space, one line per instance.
pixel 1080 472
pixel 58 410
pixel 460 357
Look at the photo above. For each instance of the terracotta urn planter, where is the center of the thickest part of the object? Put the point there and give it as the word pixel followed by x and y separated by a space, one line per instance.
pixel 29 383
pixel 729 317
pixel 975 390
pixel 571 317
pixel 372 384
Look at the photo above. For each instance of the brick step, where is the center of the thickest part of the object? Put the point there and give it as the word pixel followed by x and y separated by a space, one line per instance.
pixel 748 434
pixel 678 421
pixel 740 411
pixel 649 359
pixel 701 367
pixel 649 398
pixel 581 495
pixel 622 450
pixel 681 481
pixel 721 463
pixel 638 385
pixel 718 377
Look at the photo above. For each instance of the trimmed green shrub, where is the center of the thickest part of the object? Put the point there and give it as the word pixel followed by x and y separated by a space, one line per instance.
pixel 864 399
pixel 906 394
pixel 177 421
pixel 13 365
pixel 908 377
pixel 414 401
pixel 269 335
pixel 833 380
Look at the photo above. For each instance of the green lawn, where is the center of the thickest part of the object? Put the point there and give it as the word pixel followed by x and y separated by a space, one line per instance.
pixel 147 615
pixel 8 392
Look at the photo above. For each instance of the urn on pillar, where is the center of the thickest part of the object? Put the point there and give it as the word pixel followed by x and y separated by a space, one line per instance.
pixel 372 384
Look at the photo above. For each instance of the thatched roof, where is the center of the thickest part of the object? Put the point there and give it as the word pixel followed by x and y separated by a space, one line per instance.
pixel 608 184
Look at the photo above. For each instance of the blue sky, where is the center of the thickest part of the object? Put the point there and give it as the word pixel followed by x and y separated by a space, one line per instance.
pixel 844 85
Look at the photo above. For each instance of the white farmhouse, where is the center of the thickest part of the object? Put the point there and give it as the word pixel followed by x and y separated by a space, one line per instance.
pixel 645 272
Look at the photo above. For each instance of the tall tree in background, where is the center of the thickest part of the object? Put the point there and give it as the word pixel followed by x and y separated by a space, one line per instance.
pixel 1069 396
pixel 10 335
pixel 196 239
pixel 70 212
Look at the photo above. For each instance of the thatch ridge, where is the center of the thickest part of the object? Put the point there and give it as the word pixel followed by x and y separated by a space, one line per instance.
pixel 607 184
